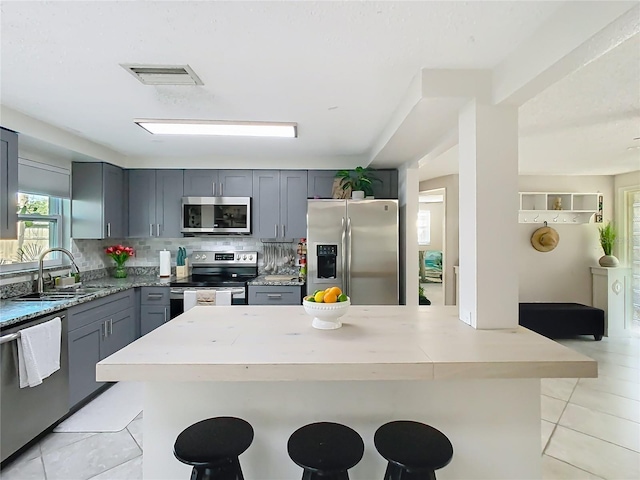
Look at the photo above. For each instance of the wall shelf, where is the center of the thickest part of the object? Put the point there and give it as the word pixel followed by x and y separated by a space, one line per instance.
pixel 576 208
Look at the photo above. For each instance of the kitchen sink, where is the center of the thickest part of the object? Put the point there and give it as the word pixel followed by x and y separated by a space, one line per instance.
pixel 57 295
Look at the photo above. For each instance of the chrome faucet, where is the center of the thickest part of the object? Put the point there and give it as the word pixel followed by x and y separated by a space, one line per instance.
pixel 41 265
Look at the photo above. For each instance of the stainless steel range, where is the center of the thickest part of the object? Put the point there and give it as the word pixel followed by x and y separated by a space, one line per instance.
pixel 216 271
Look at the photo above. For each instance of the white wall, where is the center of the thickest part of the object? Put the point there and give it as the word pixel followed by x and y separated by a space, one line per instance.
pixel 450 250
pixel 437 225
pixel 561 275
pixel 408 206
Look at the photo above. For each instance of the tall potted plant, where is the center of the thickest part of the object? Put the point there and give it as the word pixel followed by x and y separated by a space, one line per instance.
pixel 608 235
pixel 359 180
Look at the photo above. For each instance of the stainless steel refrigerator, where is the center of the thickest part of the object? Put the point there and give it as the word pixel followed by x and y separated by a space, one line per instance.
pixel 354 244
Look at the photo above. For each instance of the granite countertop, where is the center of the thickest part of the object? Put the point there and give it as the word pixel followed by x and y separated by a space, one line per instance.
pixel 262 280
pixel 12 312
pixel 253 343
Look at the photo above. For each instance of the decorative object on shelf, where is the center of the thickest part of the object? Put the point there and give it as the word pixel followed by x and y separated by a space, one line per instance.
pixel 608 236
pixel 557 203
pixel 545 239
pixel 598 218
pixel 120 254
pixel 359 181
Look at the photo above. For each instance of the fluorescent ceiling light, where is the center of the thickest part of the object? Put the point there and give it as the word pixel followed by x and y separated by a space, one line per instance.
pixel 214 127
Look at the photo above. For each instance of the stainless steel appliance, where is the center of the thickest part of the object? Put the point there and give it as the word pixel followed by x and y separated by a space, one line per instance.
pixel 354 244
pixel 27 412
pixel 208 215
pixel 216 271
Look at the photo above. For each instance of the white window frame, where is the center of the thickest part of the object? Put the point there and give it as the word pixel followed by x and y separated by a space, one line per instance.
pixel 55 218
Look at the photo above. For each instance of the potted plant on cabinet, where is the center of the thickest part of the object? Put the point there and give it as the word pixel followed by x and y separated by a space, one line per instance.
pixel 608 235
pixel 360 181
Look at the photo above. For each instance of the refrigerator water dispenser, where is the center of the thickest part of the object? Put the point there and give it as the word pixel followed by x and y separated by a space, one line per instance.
pixel 327 258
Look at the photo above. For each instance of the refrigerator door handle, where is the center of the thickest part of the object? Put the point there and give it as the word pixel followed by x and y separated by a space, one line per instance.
pixel 343 246
pixel 348 260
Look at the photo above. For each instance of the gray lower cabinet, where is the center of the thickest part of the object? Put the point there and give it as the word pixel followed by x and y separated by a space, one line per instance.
pixel 97 329
pixel 98 201
pixel 218 183
pixel 8 184
pixel 280 203
pixel 154 308
pixel 155 203
pixel 275 295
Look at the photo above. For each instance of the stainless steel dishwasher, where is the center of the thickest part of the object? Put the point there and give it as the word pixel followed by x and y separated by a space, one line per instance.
pixel 27 412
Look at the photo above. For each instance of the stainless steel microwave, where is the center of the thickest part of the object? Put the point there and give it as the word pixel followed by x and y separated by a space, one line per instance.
pixel 224 215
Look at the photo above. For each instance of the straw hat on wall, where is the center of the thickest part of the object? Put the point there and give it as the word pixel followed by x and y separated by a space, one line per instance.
pixel 545 239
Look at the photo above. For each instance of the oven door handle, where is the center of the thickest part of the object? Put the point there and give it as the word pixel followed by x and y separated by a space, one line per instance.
pixel 233 291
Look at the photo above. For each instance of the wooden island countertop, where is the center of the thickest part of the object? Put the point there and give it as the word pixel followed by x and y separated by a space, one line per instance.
pixel 256 343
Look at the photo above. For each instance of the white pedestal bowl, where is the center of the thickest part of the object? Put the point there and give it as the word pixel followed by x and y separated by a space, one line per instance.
pixel 326 316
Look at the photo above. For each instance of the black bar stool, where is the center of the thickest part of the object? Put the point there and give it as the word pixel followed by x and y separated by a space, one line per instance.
pixel 212 447
pixel 414 450
pixel 325 450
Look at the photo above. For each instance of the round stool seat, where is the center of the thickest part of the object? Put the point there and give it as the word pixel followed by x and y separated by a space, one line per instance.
pixel 325 447
pixel 213 440
pixel 413 446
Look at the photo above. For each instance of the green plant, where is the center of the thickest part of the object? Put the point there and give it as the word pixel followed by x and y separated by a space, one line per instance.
pixel 359 179
pixel 608 235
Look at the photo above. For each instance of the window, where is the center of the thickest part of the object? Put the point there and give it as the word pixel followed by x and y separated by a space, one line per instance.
pixel 424 227
pixel 39 228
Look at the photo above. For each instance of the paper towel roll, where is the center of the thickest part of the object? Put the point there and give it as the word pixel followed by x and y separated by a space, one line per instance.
pixel 165 263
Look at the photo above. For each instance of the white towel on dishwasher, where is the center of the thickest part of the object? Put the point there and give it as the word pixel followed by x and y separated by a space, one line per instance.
pixel 223 297
pixel 39 352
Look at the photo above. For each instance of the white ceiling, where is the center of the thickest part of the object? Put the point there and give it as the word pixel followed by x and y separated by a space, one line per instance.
pixel 292 61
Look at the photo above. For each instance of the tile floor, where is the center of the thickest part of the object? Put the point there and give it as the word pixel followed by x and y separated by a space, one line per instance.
pixel 590 429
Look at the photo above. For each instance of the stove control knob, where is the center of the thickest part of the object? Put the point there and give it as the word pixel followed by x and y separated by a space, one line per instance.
pixel 197 257
pixel 244 257
pixel 250 257
pixel 203 257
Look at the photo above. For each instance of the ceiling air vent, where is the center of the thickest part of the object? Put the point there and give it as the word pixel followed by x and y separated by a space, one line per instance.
pixel 163 74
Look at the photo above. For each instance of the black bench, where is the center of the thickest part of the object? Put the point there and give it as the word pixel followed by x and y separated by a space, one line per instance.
pixel 561 320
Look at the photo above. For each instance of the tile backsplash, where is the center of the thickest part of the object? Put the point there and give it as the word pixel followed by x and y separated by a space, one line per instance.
pixel 94 263
pixel 90 253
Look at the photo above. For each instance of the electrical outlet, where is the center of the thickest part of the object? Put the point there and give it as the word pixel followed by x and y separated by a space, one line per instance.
pixel 465 316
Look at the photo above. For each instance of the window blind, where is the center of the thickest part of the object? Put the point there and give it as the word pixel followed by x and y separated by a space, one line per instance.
pixel 40 178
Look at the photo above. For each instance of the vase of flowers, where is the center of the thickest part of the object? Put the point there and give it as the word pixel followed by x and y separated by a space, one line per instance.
pixel 120 254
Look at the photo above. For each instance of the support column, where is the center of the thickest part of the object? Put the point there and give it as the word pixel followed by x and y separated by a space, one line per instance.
pixel 488 164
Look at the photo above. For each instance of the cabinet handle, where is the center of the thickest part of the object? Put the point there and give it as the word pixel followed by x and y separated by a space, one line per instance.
pixel 103 329
pixel 283 234
pixel 276 230
pixel 108 229
pixel 154 295
pixel 214 188
pixel 165 314
pixel 151 229
pixel 221 190
pixel 111 326
pixel 157 229
pixel 274 295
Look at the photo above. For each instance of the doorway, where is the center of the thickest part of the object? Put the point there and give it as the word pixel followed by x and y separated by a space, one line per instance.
pixel 431 244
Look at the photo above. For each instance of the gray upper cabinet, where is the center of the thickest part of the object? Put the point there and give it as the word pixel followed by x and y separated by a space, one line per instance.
pixel 279 203
pixel 218 183
pixel 293 203
pixel 320 183
pixel 154 203
pixel 8 184
pixel 98 201
pixel 387 187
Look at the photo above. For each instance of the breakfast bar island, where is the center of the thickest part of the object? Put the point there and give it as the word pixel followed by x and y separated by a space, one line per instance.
pixel 268 366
